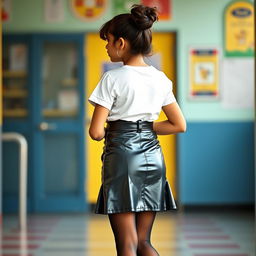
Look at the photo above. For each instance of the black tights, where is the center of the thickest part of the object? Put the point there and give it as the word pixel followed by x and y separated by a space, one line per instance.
pixel 132 233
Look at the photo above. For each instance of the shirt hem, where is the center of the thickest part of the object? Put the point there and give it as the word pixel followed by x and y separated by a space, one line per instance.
pixel 95 100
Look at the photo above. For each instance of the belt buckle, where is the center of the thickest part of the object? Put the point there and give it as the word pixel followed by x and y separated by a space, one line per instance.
pixel 139 126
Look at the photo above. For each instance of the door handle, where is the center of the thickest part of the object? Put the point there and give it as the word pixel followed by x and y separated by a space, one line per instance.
pixel 44 126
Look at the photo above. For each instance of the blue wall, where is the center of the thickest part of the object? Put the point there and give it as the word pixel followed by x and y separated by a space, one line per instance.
pixel 216 163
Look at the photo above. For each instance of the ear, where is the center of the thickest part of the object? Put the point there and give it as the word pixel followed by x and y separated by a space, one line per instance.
pixel 121 43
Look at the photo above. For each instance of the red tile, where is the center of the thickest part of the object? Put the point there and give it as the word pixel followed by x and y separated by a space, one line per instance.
pixel 18 246
pixel 16 254
pixel 213 246
pixel 18 237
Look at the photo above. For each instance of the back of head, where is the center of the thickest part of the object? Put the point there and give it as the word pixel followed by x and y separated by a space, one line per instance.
pixel 134 26
pixel 143 17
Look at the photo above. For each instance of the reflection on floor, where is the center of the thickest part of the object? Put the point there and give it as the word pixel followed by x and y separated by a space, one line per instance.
pixel 179 233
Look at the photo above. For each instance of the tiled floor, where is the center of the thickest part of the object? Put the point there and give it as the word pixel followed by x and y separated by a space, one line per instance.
pixel 181 233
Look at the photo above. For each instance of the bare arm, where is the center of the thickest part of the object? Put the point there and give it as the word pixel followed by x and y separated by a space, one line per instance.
pixel 99 117
pixel 175 122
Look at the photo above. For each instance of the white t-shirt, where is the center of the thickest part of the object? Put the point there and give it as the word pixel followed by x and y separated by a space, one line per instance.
pixel 133 93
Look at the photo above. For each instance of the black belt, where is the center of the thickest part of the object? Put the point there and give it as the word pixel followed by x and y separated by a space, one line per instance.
pixel 123 125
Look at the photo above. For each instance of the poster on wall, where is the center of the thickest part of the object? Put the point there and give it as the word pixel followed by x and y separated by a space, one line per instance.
pixel 163 7
pixel 237 77
pixel 54 10
pixel 203 73
pixel 6 10
pixel 87 10
pixel 239 29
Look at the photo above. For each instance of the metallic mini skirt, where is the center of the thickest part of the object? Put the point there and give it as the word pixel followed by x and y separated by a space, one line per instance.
pixel 133 170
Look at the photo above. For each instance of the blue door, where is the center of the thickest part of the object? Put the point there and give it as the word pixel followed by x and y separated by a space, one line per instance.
pixel 58 114
pixel 44 101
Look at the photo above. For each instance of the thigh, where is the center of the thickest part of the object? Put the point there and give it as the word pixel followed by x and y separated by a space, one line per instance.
pixel 144 224
pixel 123 226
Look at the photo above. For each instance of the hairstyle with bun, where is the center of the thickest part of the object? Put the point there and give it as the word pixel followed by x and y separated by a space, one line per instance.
pixel 134 27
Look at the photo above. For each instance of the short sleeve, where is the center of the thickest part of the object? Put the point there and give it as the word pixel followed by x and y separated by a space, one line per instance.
pixel 103 94
pixel 169 96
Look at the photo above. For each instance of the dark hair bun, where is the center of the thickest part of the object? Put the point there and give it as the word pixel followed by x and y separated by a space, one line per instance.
pixel 143 17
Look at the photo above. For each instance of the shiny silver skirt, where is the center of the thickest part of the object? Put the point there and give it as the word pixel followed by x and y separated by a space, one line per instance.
pixel 133 170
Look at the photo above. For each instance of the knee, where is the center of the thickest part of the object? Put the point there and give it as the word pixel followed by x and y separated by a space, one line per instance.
pixel 128 244
pixel 143 245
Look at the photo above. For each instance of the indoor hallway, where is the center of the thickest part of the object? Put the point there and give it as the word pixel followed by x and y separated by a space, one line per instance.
pixel 187 233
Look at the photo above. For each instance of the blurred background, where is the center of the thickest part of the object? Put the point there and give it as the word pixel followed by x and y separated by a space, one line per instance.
pixel 52 58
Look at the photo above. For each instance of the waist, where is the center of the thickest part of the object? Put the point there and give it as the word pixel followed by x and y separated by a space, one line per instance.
pixel 123 125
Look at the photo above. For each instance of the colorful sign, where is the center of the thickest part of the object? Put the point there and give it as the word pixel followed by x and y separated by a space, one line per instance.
pixel 88 9
pixel 163 7
pixel 123 6
pixel 6 10
pixel 239 29
pixel 204 72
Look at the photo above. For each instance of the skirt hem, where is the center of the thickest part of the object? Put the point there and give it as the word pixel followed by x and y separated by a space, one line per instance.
pixel 135 210
pixel 168 205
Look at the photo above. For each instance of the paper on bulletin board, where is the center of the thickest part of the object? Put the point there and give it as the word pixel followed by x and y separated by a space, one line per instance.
pixel 18 57
pixel 54 10
pixel 238 83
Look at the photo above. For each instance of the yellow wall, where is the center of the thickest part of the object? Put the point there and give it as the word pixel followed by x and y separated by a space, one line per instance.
pixel 164 43
pixel 95 55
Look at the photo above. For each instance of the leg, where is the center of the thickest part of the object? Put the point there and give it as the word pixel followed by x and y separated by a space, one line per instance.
pixel 144 223
pixel 124 229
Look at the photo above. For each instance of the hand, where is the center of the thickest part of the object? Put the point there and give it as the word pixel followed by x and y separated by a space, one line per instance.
pixel 175 122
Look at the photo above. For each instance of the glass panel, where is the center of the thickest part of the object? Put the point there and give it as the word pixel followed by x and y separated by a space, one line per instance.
pixel 61 164
pixel 10 164
pixel 15 88
pixel 60 80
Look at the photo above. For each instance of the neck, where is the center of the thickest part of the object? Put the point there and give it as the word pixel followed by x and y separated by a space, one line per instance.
pixel 134 60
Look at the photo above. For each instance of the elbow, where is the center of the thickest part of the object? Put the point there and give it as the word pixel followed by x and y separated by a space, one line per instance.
pixel 96 135
pixel 183 127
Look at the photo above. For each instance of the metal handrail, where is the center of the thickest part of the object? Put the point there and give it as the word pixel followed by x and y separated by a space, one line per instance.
pixel 23 160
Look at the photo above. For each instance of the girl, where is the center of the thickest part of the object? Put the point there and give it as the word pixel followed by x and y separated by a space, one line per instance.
pixel 129 99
